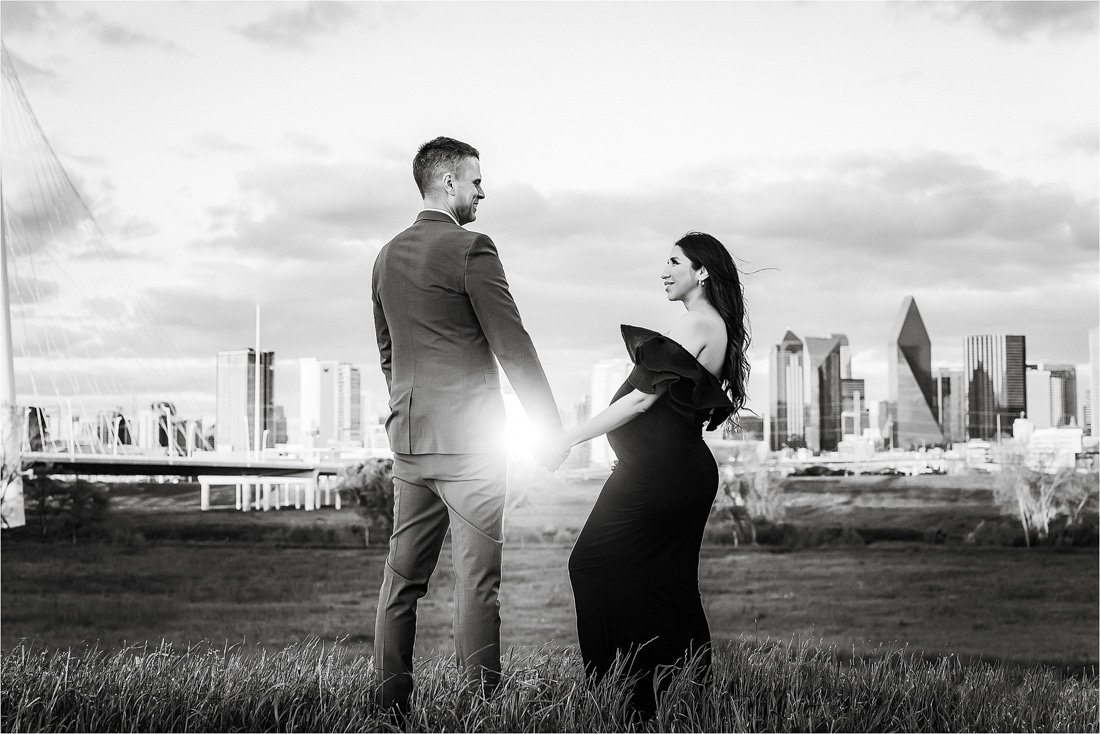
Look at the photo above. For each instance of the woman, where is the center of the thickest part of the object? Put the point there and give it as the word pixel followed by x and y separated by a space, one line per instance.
pixel 635 566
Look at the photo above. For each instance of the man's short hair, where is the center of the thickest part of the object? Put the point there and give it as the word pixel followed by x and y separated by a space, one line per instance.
pixel 436 157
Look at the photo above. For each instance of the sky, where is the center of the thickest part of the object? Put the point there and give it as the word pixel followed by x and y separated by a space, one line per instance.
pixel 848 155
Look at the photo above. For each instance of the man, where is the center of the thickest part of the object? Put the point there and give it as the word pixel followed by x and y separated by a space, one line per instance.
pixel 442 310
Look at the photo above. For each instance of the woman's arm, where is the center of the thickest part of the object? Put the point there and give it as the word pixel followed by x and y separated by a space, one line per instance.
pixel 690 333
pixel 619 413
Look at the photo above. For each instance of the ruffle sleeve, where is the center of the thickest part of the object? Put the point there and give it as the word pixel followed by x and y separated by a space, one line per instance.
pixel 693 391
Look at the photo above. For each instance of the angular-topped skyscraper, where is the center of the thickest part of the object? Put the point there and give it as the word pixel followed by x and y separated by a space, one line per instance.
pixel 912 392
pixel 805 392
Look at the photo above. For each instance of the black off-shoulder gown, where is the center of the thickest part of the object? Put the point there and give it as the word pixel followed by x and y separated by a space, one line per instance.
pixel 635 566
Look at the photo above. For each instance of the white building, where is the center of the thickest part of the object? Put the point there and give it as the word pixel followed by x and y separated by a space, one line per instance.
pixel 607 376
pixel 1094 378
pixel 330 404
pixel 1043 407
pixel 1052 395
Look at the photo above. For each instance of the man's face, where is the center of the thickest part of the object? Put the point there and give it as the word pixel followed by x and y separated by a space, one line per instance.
pixel 468 190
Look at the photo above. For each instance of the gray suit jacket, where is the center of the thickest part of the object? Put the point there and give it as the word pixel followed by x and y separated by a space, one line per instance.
pixel 442 309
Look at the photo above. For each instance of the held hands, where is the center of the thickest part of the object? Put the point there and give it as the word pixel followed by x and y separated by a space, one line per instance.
pixel 552 452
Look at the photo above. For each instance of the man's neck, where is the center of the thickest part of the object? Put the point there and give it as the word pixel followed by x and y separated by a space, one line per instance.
pixel 429 208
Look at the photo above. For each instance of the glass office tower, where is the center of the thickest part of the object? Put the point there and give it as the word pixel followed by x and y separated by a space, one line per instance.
pixel 236 381
pixel 805 391
pixel 996 383
pixel 912 389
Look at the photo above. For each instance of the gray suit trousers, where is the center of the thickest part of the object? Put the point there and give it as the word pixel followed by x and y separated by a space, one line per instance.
pixel 434 492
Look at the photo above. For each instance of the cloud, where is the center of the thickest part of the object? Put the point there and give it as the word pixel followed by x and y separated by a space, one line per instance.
pixel 1085 226
pixel 36 228
pixel 833 249
pixel 903 207
pixel 827 249
pixel 871 202
pixel 30 17
pixel 313 211
pixel 296 27
pixel 307 144
pixel 136 228
pixel 26 71
pixel 119 36
pixel 110 381
pixel 215 142
pixel 312 309
pixel 1021 20
pixel 28 289
pixel 1085 142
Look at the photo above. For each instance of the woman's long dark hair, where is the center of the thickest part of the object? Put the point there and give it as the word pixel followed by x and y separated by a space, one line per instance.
pixel 724 291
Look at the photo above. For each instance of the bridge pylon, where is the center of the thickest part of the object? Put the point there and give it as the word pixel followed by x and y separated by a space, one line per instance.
pixel 11 476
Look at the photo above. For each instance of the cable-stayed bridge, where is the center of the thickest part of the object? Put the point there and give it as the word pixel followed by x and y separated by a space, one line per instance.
pixel 86 366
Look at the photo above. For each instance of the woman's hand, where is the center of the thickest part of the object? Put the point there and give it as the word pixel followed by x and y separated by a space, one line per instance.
pixel 553 451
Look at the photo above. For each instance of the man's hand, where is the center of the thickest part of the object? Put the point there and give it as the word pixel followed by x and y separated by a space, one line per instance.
pixel 551 453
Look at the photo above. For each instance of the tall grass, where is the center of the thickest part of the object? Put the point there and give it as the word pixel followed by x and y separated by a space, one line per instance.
pixel 313 687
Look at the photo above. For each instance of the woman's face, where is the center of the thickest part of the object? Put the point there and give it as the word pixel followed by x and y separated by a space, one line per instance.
pixel 679 277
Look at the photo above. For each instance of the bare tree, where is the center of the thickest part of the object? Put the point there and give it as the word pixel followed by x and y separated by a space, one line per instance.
pixel 749 491
pixel 1041 493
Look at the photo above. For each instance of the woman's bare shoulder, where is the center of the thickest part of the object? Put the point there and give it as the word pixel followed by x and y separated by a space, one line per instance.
pixel 697 330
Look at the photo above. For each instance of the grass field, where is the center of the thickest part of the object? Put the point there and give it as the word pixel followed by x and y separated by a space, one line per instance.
pixel 314 687
pixel 179 575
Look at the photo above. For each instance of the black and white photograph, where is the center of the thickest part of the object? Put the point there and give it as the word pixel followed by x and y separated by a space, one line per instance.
pixel 539 365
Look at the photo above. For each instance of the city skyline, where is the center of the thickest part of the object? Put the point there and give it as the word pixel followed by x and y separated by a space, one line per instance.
pixel 848 154
pixel 289 392
pixel 351 411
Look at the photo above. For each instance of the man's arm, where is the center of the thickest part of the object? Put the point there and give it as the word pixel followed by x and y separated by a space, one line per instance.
pixel 496 310
pixel 381 331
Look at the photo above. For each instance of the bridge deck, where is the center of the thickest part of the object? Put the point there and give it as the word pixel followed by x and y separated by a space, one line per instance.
pixel 130 465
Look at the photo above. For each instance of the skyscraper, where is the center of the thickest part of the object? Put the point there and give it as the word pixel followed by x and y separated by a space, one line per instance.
pixel 1094 378
pixel 607 376
pixel 950 404
pixel 1065 376
pixel 822 378
pixel 805 391
pixel 331 409
pixel 786 401
pixel 1052 395
pixel 996 386
pixel 855 415
pixel 910 381
pixel 280 426
pixel 1041 403
pixel 236 393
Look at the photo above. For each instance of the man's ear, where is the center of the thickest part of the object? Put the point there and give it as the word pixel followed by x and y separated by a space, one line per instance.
pixel 449 182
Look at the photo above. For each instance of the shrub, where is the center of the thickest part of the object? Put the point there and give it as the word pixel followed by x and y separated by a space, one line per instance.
pixel 1043 497
pixel 528 480
pixel 64 509
pixel 369 487
pixel 749 494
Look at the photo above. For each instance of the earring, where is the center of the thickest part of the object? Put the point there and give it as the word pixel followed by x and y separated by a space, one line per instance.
pixel 702 281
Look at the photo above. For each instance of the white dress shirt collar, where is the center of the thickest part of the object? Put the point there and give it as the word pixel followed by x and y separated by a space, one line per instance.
pixel 441 211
